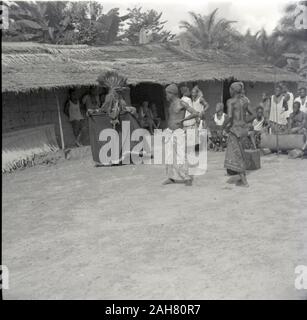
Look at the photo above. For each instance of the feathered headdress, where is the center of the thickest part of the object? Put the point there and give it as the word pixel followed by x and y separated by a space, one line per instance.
pixel 112 80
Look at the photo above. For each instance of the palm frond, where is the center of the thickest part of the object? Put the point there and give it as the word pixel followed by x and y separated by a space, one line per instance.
pixel 194 16
pixel 211 19
pixel 185 25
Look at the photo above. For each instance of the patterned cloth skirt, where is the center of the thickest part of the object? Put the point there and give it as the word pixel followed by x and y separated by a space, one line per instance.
pixel 235 159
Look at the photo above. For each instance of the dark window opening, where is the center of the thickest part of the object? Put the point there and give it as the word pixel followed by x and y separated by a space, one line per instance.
pixel 151 92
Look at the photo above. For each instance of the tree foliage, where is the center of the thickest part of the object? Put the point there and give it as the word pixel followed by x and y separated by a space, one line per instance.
pixel 208 32
pixel 84 22
pixel 285 39
pixel 62 22
pixel 149 20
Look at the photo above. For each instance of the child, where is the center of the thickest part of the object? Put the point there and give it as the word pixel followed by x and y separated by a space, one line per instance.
pixel 218 136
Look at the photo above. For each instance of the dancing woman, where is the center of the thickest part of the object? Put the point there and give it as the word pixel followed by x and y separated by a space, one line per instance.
pixel 238 106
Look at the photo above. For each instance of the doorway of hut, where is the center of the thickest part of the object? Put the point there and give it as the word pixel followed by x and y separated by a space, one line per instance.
pixel 154 94
pixel 226 94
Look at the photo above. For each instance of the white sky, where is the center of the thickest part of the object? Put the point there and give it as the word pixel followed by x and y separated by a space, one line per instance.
pixel 253 14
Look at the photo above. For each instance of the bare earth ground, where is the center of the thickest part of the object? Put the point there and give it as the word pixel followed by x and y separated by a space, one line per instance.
pixel 72 231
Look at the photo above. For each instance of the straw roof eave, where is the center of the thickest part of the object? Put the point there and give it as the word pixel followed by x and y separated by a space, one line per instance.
pixel 26 69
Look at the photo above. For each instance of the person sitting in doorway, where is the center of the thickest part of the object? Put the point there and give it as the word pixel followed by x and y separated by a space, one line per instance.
pixel 218 135
pixel 91 101
pixel 73 111
pixel 146 117
pixel 302 99
pixel 156 118
pixel 298 122
pixel 259 126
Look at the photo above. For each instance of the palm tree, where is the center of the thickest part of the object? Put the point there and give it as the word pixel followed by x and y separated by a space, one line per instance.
pixel 208 32
pixel 271 47
pixel 285 40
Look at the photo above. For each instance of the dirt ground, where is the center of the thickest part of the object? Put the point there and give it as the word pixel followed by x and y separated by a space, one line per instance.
pixel 73 231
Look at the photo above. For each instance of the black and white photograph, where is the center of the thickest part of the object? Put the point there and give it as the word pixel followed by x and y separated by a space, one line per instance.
pixel 154 150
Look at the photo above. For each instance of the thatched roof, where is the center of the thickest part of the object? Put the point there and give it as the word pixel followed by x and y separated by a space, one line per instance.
pixel 30 66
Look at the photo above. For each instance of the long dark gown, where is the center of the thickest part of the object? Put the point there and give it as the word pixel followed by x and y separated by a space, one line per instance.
pixel 98 122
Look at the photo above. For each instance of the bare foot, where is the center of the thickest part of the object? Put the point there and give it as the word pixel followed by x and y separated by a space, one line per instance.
pixel 78 144
pixel 188 183
pixel 244 180
pixel 67 154
pixel 168 181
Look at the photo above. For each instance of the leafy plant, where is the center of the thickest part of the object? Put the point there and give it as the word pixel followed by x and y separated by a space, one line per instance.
pixel 149 20
pixel 63 22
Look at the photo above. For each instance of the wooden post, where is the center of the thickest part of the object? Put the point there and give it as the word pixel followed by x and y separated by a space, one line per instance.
pixel 277 137
pixel 60 121
pixel 222 92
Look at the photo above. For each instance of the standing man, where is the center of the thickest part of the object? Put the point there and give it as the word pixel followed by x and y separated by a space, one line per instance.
pixel 191 124
pixel 185 92
pixel 278 115
pixel 302 99
pixel 237 108
pixel 289 98
pixel 266 104
pixel 200 105
pixel 73 111
pixel 177 172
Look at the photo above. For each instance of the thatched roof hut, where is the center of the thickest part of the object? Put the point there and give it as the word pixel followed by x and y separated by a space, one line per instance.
pixel 30 66
pixel 36 78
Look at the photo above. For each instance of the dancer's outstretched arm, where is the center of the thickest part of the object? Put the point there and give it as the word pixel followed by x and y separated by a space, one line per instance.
pixel 193 113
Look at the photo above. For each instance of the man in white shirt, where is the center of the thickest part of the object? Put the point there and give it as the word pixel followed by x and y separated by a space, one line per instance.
pixel 289 98
pixel 72 109
pixel 278 115
pixel 302 99
pixel 200 105
pixel 191 123
pixel 185 91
